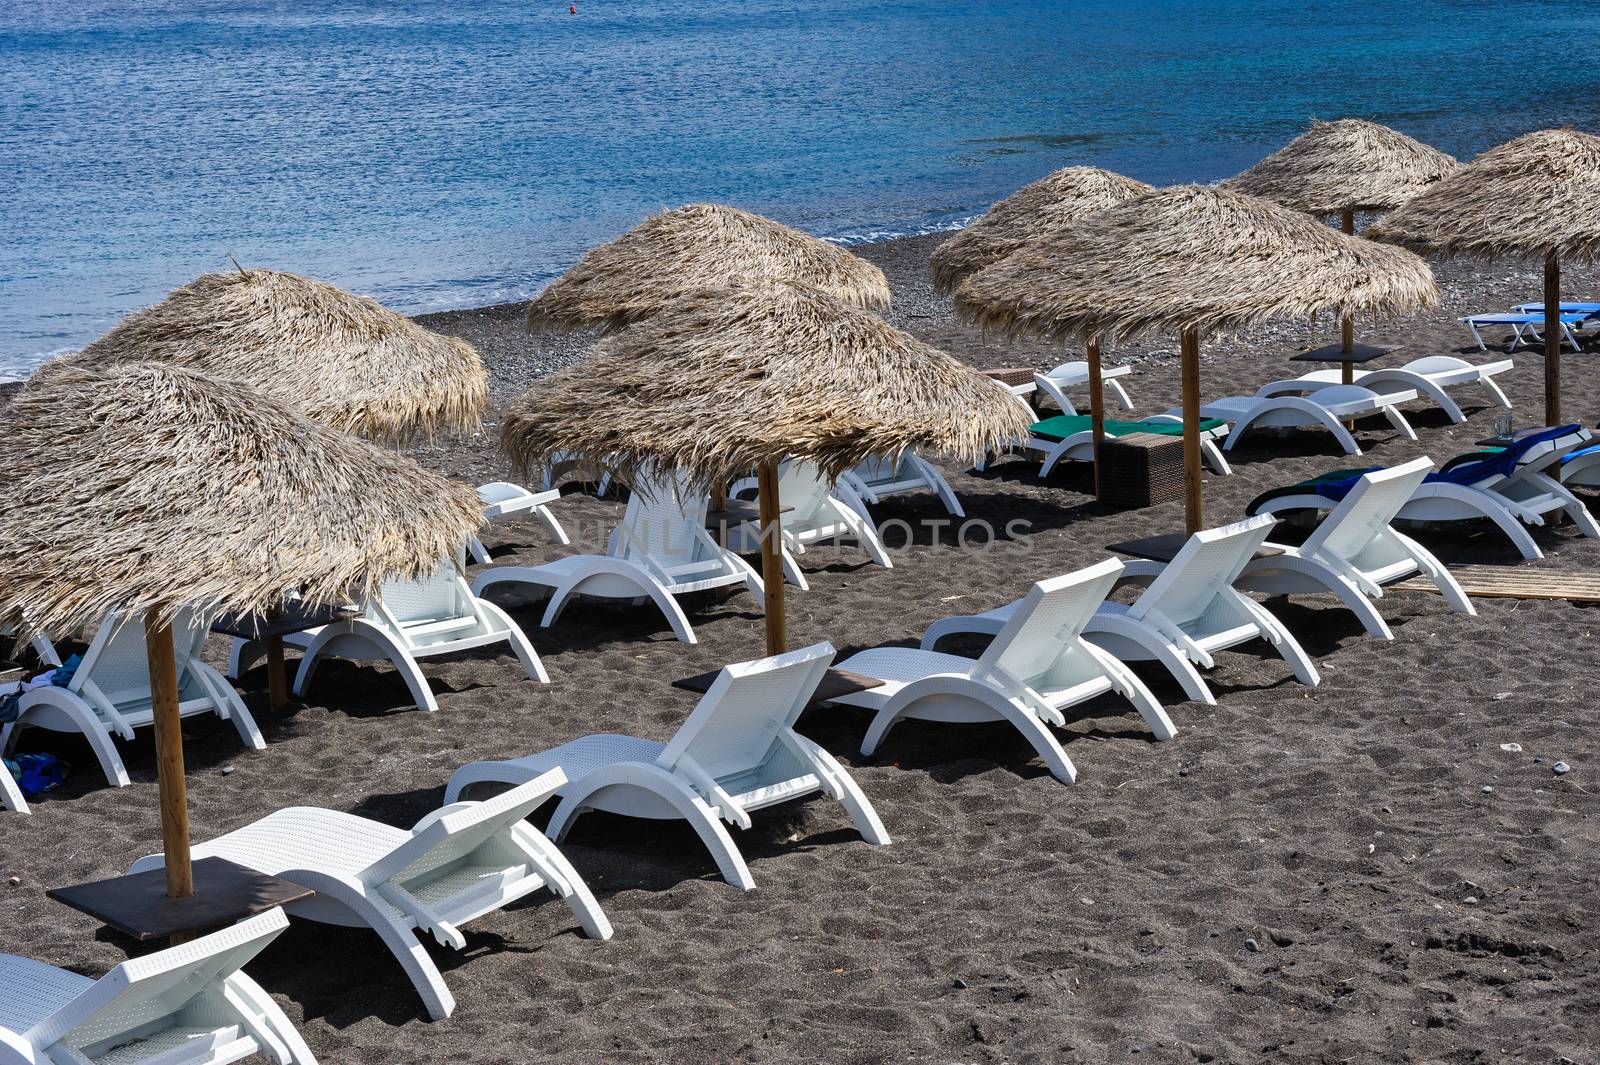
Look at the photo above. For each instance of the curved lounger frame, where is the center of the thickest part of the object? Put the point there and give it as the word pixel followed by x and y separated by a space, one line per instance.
pixel 507 502
pixel 360 640
pixel 603 577
pixel 63 710
pixel 920 474
pixel 399 918
pixel 1055 383
pixel 1292 411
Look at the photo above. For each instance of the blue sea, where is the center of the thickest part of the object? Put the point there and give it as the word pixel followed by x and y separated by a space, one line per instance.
pixel 446 154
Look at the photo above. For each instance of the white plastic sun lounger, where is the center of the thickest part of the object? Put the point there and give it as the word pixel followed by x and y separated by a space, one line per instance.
pixel 1328 407
pixel 818 511
pixel 10 794
pixel 109 694
pixel 1509 487
pixel 406 621
pixel 1071 437
pixel 1190 610
pixel 458 863
pixel 186 1005
pixel 660 551
pixel 1429 377
pixel 737 753
pixel 1069 374
pixel 505 502
pixel 1354 552
pixel 878 478
pixel 1524 326
pixel 1037 666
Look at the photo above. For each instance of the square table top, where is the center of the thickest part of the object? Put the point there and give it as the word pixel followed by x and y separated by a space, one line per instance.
pixel 1165 547
pixel 137 904
pixel 835 684
pixel 1336 353
pixel 296 617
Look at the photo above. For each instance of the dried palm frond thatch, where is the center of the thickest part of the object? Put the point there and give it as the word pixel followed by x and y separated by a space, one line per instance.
pixel 722 380
pixel 344 360
pixel 1033 214
pixel 703 245
pixel 1536 195
pixel 1192 257
pixel 148 487
pixel 1347 165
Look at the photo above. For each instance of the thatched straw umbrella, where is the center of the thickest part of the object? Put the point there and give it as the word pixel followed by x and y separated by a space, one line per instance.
pixel 703 244
pixel 148 488
pixel 1343 167
pixel 1034 215
pixel 1197 260
pixel 1536 195
pixel 345 360
pixel 725 379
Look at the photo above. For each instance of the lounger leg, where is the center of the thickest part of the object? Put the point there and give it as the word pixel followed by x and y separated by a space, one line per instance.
pixel 1215 458
pixel 1398 420
pixel 577 895
pixel 1362 607
pixel 552 525
pixel 1133 689
pixel 413 958
pixel 1448 586
pixel 792 572
pixel 105 751
pixel 1176 663
pixel 1493 388
pixel 855 800
pixel 1051 457
pixel 865 535
pixel 1121 393
pixel 1287 646
pixel 475 548
pixel 520 645
pixel 707 825
pixel 1045 744
pixel 266 1013
pixel 241 656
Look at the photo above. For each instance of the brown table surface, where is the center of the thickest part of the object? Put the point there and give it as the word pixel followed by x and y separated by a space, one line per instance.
pixel 1517 435
pixel 224 893
pixel 1336 353
pixel 1012 376
pixel 738 511
pixel 1165 548
pixel 835 684
pixel 295 618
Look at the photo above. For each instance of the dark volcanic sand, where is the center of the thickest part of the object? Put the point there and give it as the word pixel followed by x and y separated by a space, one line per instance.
pixel 1399 911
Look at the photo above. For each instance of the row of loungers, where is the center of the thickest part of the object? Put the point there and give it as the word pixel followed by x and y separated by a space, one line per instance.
pixel 1526 319
pixel 1063 643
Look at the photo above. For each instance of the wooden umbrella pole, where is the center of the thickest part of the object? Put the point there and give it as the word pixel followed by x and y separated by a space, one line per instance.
pixel 277 680
pixel 1097 408
pixel 169 758
pixel 1347 327
pixel 771 558
pixel 1552 339
pixel 1193 508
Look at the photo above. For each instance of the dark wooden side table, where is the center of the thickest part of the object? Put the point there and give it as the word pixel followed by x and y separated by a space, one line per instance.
pixel 835 684
pixel 1165 548
pixel 137 905
pixel 271 629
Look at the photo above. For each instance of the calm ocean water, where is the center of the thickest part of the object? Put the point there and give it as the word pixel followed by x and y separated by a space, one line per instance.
pixel 445 154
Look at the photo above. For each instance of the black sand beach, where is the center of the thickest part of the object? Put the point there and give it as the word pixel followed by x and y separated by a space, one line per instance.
pixel 1358 872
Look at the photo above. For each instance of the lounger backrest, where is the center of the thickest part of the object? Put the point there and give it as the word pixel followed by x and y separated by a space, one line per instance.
pixel 664 519
pixel 882 469
pixel 460 832
pixel 441 594
pixel 802 488
pixel 1209 562
pixel 117 662
pixel 1544 448
pixel 1047 621
pixel 1367 509
pixel 734 725
pixel 146 990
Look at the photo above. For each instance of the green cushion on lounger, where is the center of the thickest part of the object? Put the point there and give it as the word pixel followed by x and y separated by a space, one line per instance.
pixel 1064 425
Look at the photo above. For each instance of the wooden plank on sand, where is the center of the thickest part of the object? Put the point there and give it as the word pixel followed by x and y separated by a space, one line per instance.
pixel 1517 582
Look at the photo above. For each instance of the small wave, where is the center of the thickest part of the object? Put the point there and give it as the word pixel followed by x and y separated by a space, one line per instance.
pixel 875 236
pixel 15 368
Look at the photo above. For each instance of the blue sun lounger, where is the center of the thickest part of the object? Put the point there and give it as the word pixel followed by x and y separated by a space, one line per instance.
pixel 1511 487
pixel 1525 327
